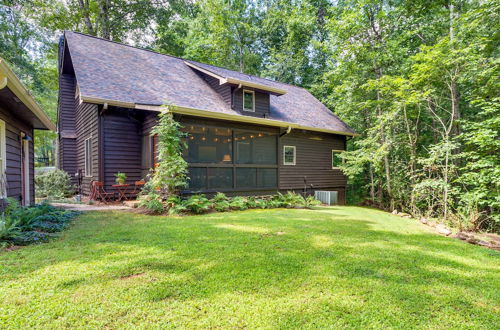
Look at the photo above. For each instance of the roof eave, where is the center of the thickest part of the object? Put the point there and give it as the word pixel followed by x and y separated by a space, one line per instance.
pixel 224 80
pixel 211 114
pixel 9 79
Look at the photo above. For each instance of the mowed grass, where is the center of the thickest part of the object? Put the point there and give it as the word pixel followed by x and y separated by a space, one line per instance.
pixel 326 268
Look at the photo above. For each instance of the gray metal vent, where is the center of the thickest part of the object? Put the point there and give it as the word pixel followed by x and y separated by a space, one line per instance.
pixel 327 197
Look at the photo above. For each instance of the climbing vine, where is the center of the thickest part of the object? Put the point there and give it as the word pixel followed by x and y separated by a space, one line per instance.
pixel 169 174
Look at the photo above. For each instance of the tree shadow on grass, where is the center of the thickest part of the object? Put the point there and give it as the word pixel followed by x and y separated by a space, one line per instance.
pixel 203 258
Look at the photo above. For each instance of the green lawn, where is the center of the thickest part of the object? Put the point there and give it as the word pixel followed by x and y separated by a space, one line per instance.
pixel 325 268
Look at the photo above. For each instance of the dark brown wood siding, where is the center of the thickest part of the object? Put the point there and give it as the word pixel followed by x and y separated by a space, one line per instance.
pixel 223 90
pixel 126 148
pixel 313 162
pixel 67 151
pixel 13 129
pixel 87 127
pixel 122 136
pixel 261 102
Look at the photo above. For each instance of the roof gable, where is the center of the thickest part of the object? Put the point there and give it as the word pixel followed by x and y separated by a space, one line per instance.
pixel 107 70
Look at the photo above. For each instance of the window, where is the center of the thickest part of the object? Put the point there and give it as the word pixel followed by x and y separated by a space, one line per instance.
pixel 3 161
pixel 249 100
pixel 336 160
pixel 288 155
pixel 88 157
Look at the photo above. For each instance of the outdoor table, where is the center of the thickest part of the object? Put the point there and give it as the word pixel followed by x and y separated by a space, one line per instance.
pixel 122 190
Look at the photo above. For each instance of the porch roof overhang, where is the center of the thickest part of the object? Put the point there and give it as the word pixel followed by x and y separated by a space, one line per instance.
pixel 8 79
pixel 211 114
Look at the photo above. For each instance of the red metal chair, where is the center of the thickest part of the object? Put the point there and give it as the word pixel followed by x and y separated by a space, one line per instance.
pixel 138 186
pixel 98 192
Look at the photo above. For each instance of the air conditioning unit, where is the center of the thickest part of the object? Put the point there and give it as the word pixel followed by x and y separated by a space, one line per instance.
pixel 327 197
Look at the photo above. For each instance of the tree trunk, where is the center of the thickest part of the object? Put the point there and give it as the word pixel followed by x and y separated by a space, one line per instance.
pixel 84 7
pixel 104 18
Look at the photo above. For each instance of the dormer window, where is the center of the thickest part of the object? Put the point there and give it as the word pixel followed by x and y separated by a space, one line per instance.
pixel 249 100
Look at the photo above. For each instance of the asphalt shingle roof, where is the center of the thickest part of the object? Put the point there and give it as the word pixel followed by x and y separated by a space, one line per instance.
pixel 114 71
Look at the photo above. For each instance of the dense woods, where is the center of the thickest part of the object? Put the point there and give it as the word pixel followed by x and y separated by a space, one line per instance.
pixel 418 80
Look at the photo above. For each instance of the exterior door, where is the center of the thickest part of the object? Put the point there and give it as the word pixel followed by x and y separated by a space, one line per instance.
pixel 25 171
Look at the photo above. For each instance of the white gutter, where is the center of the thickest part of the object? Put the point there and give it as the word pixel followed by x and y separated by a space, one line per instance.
pixel 212 114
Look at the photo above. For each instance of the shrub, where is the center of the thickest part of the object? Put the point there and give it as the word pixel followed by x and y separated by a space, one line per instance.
pixel 29 225
pixel 290 200
pixel 175 205
pixel 152 202
pixel 9 229
pixel 197 204
pixel 221 202
pixel 310 202
pixel 239 203
pixel 53 184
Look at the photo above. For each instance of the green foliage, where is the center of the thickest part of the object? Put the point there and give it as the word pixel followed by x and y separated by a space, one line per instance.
pixel 290 200
pixel 310 202
pixel 120 177
pixel 31 225
pixel 170 174
pixel 411 78
pixel 54 184
pixel 152 202
pixel 239 203
pixel 197 204
pixel 221 202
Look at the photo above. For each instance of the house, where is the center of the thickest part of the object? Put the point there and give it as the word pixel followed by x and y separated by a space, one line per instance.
pixel 19 116
pixel 247 135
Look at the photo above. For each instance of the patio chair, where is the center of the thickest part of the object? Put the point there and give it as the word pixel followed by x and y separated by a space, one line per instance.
pixel 99 193
pixel 138 186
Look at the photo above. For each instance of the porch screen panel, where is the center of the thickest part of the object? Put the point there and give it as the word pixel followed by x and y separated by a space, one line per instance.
pixel 220 177
pixel 255 147
pixel 197 178
pixel 208 145
pixel 225 159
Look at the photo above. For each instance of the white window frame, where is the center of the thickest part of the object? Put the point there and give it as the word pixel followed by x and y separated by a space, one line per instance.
pixel 334 151
pixel 88 157
pixel 294 155
pixel 3 155
pixel 253 100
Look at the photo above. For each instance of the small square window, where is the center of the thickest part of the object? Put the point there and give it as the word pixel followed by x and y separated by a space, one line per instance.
pixel 288 155
pixel 249 100
pixel 336 159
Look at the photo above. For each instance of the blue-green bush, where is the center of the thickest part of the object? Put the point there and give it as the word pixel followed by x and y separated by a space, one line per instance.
pixel 31 225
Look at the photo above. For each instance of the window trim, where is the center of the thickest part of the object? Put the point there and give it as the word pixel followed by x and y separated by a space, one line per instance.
pixel 253 100
pixel 87 157
pixel 294 156
pixel 333 152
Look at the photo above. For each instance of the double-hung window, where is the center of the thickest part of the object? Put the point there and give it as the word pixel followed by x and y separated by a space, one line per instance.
pixel 289 155
pixel 88 157
pixel 248 100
